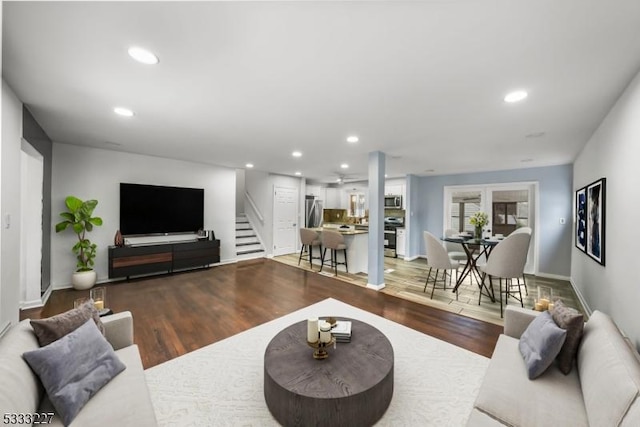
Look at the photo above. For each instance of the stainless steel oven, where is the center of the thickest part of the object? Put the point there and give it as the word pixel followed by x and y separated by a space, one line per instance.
pixel 390 233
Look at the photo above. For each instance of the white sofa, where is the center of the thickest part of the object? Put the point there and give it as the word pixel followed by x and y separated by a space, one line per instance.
pixel 124 401
pixel 603 389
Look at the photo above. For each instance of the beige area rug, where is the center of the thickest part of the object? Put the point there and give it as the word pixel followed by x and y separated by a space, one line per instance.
pixel 222 384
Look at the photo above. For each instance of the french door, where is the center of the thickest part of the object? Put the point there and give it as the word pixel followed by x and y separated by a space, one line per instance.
pixel 509 206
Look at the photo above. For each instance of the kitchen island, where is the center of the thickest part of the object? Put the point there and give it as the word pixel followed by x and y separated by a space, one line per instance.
pixel 357 242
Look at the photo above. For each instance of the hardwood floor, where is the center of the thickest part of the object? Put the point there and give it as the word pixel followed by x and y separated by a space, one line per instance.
pixel 178 313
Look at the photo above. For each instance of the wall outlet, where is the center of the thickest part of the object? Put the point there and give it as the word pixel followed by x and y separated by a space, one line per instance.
pixel 562 221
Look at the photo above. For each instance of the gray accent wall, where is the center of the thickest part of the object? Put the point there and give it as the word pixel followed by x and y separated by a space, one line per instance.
pixel 34 135
pixel 556 201
pixel 613 152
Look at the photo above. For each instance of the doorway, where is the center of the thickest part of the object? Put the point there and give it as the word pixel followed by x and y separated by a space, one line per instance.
pixel 31 207
pixel 509 206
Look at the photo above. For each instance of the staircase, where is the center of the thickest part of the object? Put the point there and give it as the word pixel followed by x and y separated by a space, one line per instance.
pixel 248 245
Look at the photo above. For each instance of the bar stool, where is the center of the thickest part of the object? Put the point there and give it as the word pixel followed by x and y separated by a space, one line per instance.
pixel 309 239
pixel 335 241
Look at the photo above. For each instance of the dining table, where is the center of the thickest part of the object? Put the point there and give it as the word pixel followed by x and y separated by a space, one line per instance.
pixel 475 249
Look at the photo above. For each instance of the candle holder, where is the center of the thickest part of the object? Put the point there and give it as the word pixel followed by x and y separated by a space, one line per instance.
pixel 320 351
pixel 545 297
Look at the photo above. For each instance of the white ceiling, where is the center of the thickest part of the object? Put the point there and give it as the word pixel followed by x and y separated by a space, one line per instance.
pixel 245 82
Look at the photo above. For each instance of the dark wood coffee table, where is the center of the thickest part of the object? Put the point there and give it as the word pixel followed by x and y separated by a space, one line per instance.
pixel 352 387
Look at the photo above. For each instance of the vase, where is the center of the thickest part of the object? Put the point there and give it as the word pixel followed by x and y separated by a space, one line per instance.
pixel 118 240
pixel 478 233
pixel 82 280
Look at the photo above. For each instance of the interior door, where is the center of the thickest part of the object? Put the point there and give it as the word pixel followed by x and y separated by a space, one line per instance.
pixel 285 220
pixel 513 206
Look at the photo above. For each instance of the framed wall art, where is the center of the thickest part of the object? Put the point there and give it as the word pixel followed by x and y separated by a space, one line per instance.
pixel 581 219
pixel 596 208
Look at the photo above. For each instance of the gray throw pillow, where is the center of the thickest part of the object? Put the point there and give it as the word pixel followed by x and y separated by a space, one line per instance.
pixel 53 328
pixel 540 343
pixel 73 368
pixel 573 322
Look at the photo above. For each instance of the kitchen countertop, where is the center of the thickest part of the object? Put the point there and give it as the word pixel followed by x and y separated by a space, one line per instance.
pixel 346 232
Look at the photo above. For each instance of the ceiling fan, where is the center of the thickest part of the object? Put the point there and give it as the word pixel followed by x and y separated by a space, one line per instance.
pixel 343 178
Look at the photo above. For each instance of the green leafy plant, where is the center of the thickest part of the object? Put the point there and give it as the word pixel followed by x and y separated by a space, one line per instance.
pixel 78 216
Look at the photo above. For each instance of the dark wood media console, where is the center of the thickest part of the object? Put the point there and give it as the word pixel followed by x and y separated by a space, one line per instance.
pixel 129 261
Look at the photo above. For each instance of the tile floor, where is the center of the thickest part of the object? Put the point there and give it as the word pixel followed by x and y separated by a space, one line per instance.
pixel 406 279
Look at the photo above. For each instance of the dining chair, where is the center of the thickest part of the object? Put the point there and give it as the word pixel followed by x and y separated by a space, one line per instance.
pixel 526 230
pixel 309 239
pixel 334 241
pixel 507 262
pixel 438 258
pixel 454 249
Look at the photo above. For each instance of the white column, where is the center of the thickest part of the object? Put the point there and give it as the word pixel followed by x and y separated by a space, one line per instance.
pixel 376 220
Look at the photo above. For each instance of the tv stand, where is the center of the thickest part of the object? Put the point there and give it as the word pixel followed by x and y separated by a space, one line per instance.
pixel 127 261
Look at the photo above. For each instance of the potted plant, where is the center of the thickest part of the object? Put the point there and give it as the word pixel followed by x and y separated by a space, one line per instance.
pixel 479 220
pixel 79 217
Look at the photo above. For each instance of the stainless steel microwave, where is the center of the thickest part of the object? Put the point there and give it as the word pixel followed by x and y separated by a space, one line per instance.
pixel 393 202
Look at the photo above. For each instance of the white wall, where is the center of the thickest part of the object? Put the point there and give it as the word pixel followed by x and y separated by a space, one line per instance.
pixel 614 152
pixel 91 173
pixel 10 206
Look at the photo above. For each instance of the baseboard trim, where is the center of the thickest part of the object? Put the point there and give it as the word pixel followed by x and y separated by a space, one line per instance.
pixel 552 276
pixel 581 297
pixel 376 287
pixel 411 258
pixel 26 305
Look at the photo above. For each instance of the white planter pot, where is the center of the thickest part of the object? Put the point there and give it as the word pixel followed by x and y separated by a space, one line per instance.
pixel 82 280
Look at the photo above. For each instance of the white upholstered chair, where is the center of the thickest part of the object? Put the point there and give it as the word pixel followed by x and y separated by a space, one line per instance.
pixel 438 258
pixel 507 261
pixel 526 230
pixel 455 250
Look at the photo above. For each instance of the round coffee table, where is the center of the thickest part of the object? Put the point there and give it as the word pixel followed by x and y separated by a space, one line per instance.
pixel 352 387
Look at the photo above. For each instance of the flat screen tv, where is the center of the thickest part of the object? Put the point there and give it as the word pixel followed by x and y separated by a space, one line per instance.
pixel 152 209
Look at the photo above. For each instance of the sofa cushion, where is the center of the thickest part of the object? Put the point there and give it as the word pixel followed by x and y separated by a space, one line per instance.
pixel 21 390
pixel 125 401
pixel 609 374
pixel 73 368
pixel 508 396
pixel 52 328
pixel 573 322
pixel 540 343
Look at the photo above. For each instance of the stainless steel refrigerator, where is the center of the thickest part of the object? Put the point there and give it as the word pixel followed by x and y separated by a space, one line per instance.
pixel 312 212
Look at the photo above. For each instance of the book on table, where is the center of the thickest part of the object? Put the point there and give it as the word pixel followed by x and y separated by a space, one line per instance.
pixel 342 331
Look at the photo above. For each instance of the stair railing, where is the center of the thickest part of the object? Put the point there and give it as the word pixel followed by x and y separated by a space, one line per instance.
pixel 254 207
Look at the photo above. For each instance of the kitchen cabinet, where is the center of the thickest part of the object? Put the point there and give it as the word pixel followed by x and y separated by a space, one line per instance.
pixel 401 241
pixel 333 199
pixel 393 190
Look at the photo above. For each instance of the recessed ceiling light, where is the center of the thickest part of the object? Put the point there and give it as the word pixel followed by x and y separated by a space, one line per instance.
pixel 386 176
pixel 339 180
pixel 298 173
pixel 344 166
pixel 353 139
pixel 516 96
pixel 121 111
pixel 526 160
pixel 296 154
pixel 249 165
pixel 143 55
pixel 429 170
